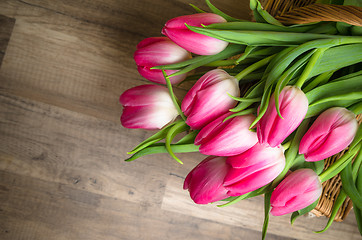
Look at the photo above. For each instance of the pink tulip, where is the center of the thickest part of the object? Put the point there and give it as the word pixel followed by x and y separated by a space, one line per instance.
pixel 157 51
pixel 147 107
pixel 293 105
pixel 197 43
pixel 227 138
pixel 208 98
pixel 330 133
pixel 205 181
pixel 298 190
pixel 253 169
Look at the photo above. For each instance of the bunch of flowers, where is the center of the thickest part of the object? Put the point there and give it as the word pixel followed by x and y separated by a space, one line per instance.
pixel 286 101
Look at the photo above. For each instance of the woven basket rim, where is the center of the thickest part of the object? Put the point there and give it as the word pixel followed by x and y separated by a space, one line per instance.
pixel 291 12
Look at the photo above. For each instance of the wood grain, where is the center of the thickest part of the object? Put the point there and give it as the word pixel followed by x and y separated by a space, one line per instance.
pixel 6 28
pixel 62 174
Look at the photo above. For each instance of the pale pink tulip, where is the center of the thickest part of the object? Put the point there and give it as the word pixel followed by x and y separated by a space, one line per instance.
pixel 197 43
pixel 298 190
pixel 208 98
pixel 253 169
pixel 147 107
pixel 157 51
pixel 227 138
pixel 293 105
pixel 330 133
pixel 205 181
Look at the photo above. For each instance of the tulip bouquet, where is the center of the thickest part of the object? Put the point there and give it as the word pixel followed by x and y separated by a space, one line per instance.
pixel 268 105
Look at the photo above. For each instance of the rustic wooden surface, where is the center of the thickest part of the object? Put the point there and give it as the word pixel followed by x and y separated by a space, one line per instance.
pixel 62 176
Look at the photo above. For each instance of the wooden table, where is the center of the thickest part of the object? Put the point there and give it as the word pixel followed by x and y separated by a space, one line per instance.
pixel 62 175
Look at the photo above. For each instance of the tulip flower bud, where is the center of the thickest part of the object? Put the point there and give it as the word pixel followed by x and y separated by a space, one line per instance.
pixel 253 169
pixel 227 138
pixel 330 133
pixel 208 98
pixel 147 107
pixel 196 43
pixel 293 105
pixel 157 51
pixel 205 181
pixel 298 190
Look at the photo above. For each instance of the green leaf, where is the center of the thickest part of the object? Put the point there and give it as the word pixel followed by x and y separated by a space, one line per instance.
pixel 161 148
pixel 303 211
pixel 335 58
pixel 241 113
pixel 358 215
pixel 322 78
pixel 287 76
pixel 189 138
pixel 220 13
pixel 358 211
pixel 253 92
pixel 262 38
pixel 257 26
pixel 176 129
pixel 356 108
pixel 197 9
pixel 230 51
pixel 254 67
pixel 349 186
pixel 292 152
pixel 261 15
pixel 332 89
pixel 317 167
pixel 345 96
pixel 319 108
pixel 339 164
pixel 153 139
pixel 263 107
pixel 336 206
pixel 326 64
pixel 173 97
pixel 198 61
pixel 357 138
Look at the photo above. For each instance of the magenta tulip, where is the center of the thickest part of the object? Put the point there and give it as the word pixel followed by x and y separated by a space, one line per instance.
pixel 253 169
pixel 330 133
pixel 197 43
pixel 147 107
pixel 209 99
pixel 156 51
pixel 227 138
pixel 293 105
pixel 205 181
pixel 298 190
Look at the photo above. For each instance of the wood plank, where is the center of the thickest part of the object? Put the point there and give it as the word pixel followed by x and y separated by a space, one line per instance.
pixel 240 214
pixel 37 209
pixel 6 28
pixel 62 146
pixel 80 60
pixel 58 145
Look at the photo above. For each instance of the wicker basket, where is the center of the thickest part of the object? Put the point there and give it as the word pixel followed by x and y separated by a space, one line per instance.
pixel 291 12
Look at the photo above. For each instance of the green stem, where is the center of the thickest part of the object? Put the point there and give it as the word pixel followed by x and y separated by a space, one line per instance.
pixel 242 113
pixel 286 145
pixel 320 78
pixel 292 152
pixel 314 60
pixel 338 165
pixel 253 67
pixel 221 63
pixel 173 97
pixel 267 197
